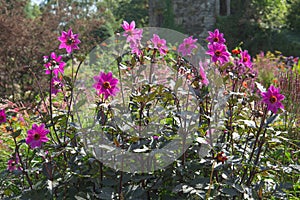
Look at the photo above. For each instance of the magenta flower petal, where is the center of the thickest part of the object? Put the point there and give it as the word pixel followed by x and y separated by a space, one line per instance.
pixel 2 116
pixel 128 27
pixel 204 79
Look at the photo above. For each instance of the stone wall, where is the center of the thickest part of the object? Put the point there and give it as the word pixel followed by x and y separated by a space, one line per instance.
pixel 194 17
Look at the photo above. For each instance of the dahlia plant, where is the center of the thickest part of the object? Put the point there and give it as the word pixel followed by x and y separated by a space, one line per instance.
pixel 154 122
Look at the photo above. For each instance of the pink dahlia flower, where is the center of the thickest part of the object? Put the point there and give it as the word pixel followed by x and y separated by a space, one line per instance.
pixel 131 32
pixel 12 164
pixel 218 52
pixel 245 59
pixel 56 85
pixel 135 47
pixel 106 84
pixel 37 135
pixel 159 44
pixel 54 64
pixel 216 36
pixel 187 46
pixel 273 99
pixel 69 41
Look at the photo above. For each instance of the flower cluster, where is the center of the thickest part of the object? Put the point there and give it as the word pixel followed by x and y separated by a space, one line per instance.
pixel 225 133
pixel 134 36
pixel 216 47
pixel 54 64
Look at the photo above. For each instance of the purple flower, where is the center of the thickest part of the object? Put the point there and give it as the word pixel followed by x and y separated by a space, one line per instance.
pixel 155 137
pixel 54 64
pixel 69 41
pixel 216 36
pixel 273 99
pixel 56 85
pixel 204 79
pixel 37 135
pixel 245 59
pixel 2 116
pixel 218 52
pixel 12 164
pixel 187 46
pixel 131 32
pixel 159 44
pixel 135 47
pixel 106 84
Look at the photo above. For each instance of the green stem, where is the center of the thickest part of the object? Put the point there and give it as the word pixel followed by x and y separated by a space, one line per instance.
pixel 71 96
pixel 254 146
pixel 22 164
pixel 51 111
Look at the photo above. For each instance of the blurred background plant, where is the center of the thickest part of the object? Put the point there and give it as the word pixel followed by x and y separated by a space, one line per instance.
pixel 263 25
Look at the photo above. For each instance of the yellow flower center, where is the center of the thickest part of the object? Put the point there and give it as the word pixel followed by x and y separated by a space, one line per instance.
pixel 217 52
pixel 53 63
pixel 273 99
pixel 36 136
pixel 187 46
pixel 106 85
pixel 70 41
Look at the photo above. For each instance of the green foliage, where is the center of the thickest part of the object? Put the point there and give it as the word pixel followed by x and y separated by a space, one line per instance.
pixel 270 14
pixel 294 15
pixel 261 26
pixel 132 10
pixel 32 10
pixel 238 150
